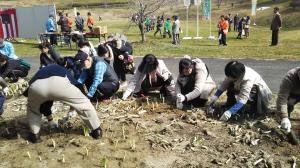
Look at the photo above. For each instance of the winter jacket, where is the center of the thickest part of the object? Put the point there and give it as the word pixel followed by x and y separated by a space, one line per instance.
pixel 204 85
pixel 63 22
pixel 50 26
pixel 176 27
pixel 276 22
pixel 10 66
pixel 8 50
pixel 167 25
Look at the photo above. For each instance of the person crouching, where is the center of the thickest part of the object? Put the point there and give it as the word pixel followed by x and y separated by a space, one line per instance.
pixel 98 76
pixel 55 83
pixel 150 75
pixel 194 83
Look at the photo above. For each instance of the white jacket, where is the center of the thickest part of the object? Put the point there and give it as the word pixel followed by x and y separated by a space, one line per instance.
pixel 136 81
pixel 204 84
pixel 245 84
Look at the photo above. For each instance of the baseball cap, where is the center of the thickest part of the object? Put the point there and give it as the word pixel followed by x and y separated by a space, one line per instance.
pixel 81 56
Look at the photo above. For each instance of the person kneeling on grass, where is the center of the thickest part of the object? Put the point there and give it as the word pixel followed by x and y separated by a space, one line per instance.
pixel 249 87
pixel 98 76
pixel 288 96
pixel 12 69
pixel 55 83
pixel 151 74
pixel 194 83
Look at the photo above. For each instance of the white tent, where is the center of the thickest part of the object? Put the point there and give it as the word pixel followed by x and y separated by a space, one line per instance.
pixel 32 20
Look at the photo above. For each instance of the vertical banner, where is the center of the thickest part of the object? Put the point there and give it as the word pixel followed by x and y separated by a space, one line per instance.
pixel 206 9
pixel 254 5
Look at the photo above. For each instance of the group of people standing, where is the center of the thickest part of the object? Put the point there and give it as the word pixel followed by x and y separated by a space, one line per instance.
pixel 242 26
pixel 170 28
pixel 66 25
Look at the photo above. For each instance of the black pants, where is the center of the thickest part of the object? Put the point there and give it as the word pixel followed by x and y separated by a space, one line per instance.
pixel 158 29
pixel 222 41
pixel 274 37
pixel 107 89
pixel 16 74
pixel 167 32
pixel 45 108
pixel 119 67
pixel 146 85
pixel 231 92
pixel 197 102
pixel 291 106
pixel 53 39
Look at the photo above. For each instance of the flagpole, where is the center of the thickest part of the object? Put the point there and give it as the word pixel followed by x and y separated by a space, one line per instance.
pixel 197 6
pixel 211 37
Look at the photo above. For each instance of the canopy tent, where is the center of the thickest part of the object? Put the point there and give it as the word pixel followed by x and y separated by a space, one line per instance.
pixel 25 22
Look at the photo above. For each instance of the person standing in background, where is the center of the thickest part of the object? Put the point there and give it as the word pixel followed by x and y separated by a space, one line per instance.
pixel 79 22
pixel 275 26
pixel 90 21
pixel 236 20
pixel 50 28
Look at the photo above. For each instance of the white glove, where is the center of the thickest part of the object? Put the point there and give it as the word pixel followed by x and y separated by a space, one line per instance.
pixel 126 94
pixel 5 91
pixel 210 110
pixel 286 124
pixel 121 57
pixel 226 115
pixel 72 114
pixel 179 105
pixel 213 100
pixel 53 124
pixel 180 97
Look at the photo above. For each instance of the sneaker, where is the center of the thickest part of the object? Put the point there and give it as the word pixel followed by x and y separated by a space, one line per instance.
pixel 97 133
pixel 53 124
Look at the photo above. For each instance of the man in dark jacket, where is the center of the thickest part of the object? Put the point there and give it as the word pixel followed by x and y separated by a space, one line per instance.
pixel 275 26
pixel 64 27
pixel 236 21
pixel 12 69
pixel 97 75
pixel 48 55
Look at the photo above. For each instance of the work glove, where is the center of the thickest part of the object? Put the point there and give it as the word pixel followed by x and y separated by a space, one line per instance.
pixel 210 110
pixel 121 57
pixel 213 100
pixel 226 115
pixel 5 91
pixel 53 124
pixel 72 114
pixel 286 124
pixel 126 94
pixel 180 98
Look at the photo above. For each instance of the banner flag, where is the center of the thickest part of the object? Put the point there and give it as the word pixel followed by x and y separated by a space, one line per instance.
pixel 254 5
pixel 206 8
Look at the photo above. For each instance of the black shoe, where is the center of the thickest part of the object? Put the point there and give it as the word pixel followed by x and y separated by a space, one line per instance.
pixel 97 133
pixel 34 138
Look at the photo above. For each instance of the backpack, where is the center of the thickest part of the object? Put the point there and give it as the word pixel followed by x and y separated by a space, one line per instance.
pixel 25 64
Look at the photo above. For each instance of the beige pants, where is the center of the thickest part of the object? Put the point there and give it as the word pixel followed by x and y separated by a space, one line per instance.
pixel 57 88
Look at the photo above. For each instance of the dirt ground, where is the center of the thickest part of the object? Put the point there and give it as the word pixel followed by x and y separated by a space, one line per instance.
pixel 152 134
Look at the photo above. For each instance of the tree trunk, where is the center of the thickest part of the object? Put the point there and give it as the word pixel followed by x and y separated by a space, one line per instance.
pixel 142 30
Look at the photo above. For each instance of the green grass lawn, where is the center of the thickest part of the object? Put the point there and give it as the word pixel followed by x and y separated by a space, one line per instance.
pixel 257 46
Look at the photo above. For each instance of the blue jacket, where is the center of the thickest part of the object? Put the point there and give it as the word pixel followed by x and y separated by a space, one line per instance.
pixel 50 26
pixel 8 50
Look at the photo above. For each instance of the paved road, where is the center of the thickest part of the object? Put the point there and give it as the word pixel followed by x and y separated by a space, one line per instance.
pixel 272 71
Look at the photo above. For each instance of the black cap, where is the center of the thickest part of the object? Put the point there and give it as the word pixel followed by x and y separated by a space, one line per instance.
pixel 81 56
